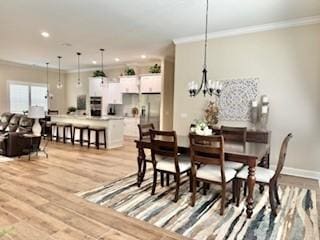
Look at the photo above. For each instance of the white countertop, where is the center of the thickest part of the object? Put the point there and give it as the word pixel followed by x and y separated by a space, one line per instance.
pixel 86 117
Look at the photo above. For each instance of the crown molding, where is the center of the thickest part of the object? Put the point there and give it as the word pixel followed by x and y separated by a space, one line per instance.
pixel 33 66
pixel 251 29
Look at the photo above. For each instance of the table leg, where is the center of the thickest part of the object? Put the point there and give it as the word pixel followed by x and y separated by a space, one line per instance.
pixel 140 159
pixel 266 164
pixel 251 182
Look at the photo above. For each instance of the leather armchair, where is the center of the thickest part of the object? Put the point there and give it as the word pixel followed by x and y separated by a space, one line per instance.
pixel 12 143
pixel 4 121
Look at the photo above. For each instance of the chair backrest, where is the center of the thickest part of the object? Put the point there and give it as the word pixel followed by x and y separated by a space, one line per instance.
pixel 234 134
pixel 53 112
pixel 144 132
pixel 282 156
pixel 207 150
pixel 164 143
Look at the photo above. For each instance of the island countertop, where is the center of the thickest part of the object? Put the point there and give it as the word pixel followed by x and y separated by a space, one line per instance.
pixel 87 117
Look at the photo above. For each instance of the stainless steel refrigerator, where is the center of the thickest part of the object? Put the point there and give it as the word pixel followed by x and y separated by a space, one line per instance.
pixel 150 109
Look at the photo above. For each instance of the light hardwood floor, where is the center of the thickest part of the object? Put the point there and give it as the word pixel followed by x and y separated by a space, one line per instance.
pixel 38 202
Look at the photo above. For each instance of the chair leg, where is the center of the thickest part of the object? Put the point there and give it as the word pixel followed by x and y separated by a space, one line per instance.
pixel 162 179
pixel 97 140
pixel 234 190
pixel 89 138
pixel 105 139
pixel 81 137
pixel 155 174
pixel 64 135
pixel 190 181
pixel 168 179
pixel 144 167
pixel 194 190
pixel 223 199
pixel 72 139
pixel 238 191
pixel 276 193
pixel 204 188
pixel 271 199
pixel 177 176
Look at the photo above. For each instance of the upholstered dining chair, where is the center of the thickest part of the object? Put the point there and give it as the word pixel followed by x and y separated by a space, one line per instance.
pixel 165 158
pixel 208 152
pixel 144 133
pixel 235 135
pixel 266 177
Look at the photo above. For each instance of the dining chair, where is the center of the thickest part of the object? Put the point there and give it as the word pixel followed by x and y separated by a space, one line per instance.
pixel 208 152
pixel 235 135
pixel 165 158
pixel 266 177
pixel 144 133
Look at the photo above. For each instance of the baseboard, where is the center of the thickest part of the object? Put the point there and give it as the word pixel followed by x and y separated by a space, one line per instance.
pixel 299 172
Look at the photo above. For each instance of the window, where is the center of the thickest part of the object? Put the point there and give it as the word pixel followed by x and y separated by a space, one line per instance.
pixel 22 96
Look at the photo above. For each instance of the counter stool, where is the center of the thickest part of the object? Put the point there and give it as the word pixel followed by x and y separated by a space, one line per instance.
pixel 53 129
pixel 81 128
pixel 65 127
pixel 97 131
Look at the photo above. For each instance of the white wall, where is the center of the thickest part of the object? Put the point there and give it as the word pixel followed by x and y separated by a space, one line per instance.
pixel 287 62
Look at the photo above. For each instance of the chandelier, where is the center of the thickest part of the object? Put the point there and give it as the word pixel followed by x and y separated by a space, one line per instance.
pixel 212 88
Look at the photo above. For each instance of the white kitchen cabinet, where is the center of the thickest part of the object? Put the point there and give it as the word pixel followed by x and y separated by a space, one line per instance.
pixel 150 83
pixel 129 84
pixel 96 89
pixel 131 126
pixel 114 95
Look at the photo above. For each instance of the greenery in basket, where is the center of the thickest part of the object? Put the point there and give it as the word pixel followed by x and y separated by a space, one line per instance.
pixel 129 71
pixel 155 69
pixel 71 109
pixel 99 73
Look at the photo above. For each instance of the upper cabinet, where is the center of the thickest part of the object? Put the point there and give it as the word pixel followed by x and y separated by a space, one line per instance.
pixel 96 89
pixel 150 83
pixel 129 84
pixel 114 94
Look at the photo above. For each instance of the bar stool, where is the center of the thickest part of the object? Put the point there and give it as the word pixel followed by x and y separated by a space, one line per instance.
pixel 53 129
pixel 81 128
pixel 65 127
pixel 97 131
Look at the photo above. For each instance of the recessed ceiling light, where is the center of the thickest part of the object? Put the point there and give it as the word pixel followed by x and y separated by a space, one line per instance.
pixel 94 62
pixel 45 34
pixel 143 56
pixel 117 59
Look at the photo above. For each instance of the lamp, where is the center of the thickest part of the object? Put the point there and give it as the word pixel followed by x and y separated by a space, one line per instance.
pixel 36 112
pixel 59 85
pixel 79 84
pixel 207 86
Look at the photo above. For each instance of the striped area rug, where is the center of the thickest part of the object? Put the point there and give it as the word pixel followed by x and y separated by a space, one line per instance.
pixel 297 218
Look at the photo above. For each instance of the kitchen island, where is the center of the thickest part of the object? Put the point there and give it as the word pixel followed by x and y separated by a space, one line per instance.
pixel 113 125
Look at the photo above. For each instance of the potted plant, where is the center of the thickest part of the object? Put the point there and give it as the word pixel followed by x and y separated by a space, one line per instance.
pixel 129 71
pixel 155 69
pixel 71 110
pixel 99 73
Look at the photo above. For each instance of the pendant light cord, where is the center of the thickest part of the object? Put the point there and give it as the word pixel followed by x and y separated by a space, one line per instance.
pixel 78 53
pixel 206 37
pixel 102 50
pixel 59 57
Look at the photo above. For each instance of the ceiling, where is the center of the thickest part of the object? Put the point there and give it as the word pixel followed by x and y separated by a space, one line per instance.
pixel 125 28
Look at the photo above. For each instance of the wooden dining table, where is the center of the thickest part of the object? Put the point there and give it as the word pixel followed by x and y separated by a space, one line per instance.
pixel 250 153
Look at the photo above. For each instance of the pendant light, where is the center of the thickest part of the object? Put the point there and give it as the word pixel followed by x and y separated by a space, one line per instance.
pixel 102 77
pixel 59 85
pixel 206 86
pixel 79 83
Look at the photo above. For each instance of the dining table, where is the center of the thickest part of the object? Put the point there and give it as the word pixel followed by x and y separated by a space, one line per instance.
pixel 248 153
